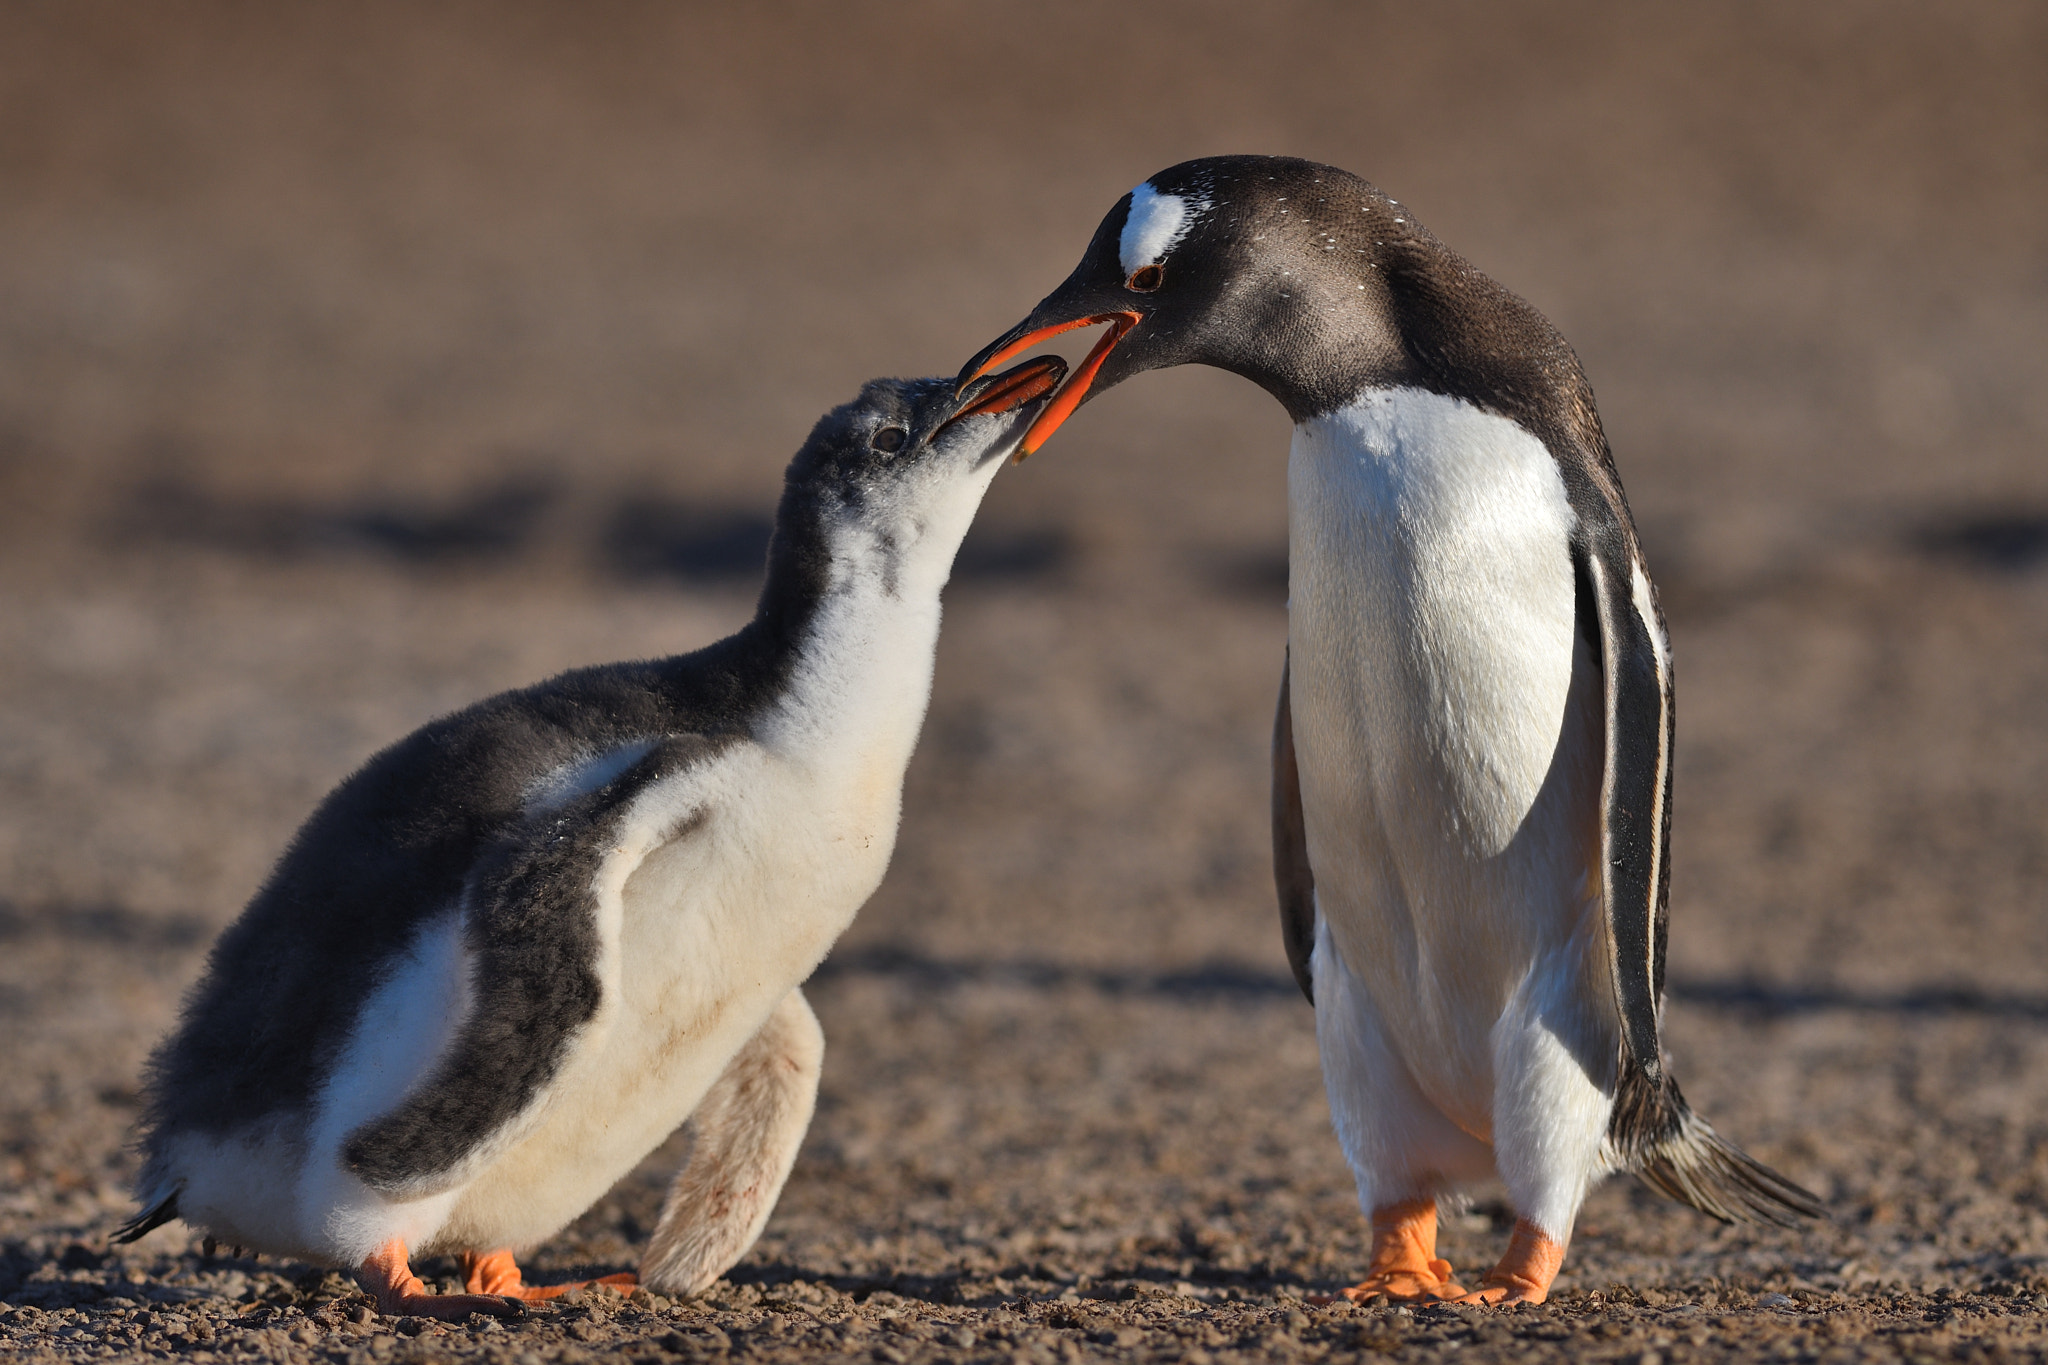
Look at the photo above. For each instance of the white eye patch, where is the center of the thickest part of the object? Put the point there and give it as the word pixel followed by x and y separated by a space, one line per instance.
pixel 1155 226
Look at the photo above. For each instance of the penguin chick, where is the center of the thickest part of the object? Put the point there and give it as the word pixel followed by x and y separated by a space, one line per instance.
pixel 506 959
pixel 1472 761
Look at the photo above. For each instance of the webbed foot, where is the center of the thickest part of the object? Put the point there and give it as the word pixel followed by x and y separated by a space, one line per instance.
pixel 495 1272
pixel 1525 1273
pixel 1405 1267
pixel 386 1275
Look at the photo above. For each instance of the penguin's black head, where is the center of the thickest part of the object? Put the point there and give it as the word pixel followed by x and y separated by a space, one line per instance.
pixel 885 488
pixel 905 434
pixel 1284 271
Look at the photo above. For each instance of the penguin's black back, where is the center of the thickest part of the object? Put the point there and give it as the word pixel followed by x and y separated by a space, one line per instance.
pixel 389 849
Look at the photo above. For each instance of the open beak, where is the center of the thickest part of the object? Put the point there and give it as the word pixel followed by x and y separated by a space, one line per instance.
pixel 1009 390
pixel 1023 337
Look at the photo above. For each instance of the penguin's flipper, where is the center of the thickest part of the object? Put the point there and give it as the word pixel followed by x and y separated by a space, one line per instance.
pixel 531 934
pixel 1653 1131
pixel 748 1129
pixel 1635 789
pixel 1293 878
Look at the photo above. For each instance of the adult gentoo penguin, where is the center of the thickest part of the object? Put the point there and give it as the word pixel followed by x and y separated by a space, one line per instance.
pixel 1472 759
pixel 507 958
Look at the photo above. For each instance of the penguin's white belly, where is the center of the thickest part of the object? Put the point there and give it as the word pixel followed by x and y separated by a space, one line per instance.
pixel 706 935
pixel 1445 717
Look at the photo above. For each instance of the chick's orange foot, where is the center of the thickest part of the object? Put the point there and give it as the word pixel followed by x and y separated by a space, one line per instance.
pixel 386 1275
pixel 495 1272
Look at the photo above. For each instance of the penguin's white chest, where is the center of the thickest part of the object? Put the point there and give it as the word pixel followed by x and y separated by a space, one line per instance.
pixel 1443 711
pixel 702 937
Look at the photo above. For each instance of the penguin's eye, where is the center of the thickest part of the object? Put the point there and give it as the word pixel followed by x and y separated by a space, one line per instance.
pixel 1146 278
pixel 889 440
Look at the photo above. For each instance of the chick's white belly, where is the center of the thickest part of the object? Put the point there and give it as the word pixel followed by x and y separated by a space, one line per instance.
pixel 711 931
pixel 1445 717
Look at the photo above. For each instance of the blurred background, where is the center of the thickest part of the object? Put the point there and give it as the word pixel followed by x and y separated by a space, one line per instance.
pixel 359 360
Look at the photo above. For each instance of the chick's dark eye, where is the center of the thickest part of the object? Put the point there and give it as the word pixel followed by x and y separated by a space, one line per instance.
pixel 889 440
pixel 1146 278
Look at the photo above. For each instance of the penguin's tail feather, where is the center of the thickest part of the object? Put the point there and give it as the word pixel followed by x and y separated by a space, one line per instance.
pixel 1655 1135
pixel 155 1216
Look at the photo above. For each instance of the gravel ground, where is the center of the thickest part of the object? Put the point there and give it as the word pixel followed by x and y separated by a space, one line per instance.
pixel 358 361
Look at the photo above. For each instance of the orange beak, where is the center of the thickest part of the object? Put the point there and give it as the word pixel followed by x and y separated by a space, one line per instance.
pixel 1007 392
pixel 1068 398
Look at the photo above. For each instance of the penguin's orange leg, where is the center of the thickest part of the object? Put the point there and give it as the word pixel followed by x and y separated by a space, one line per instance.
pixel 1404 1263
pixel 495 1272
pixel 1525 1273
pixel 386 1275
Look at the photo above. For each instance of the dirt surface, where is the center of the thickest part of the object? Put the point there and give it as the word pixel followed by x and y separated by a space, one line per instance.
pixel 357 361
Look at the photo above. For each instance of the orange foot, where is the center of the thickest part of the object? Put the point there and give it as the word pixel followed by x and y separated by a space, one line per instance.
pixel 1524 1273
pixel 387 1276
pixel 1404 1263
pixel 495 1272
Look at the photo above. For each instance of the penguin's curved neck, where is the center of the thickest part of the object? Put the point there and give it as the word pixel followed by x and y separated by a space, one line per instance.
pixel 1417 317
pixel 850 616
